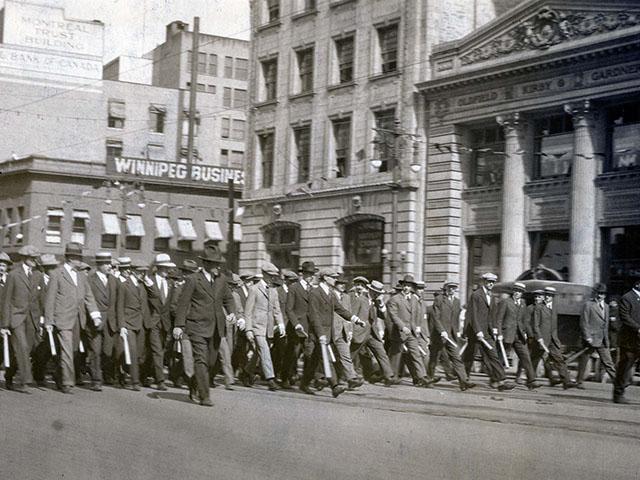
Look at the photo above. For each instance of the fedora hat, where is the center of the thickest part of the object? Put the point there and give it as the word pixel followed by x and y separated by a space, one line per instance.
pixel 189 265
pixel 308 267
pixel 104 257
pixel 29 251
pixel 376 286
pixel 360 279
pixel 48 260
pixel 73 249
pixel 163 260
pixel 408 279
pixel 212 254
pixel 4 258
pixel 420 284
pixel 600 288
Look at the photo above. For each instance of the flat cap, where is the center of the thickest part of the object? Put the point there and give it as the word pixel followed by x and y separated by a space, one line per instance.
pixel 270 269
pixel 491 277
pixel 29 251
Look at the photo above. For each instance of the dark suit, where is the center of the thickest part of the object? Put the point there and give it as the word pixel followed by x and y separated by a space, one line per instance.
pixel 405 312
pixel 296 311
pixel 21 314
pixel 101 341
pixel 446 312
pixel 545 328
pixel 157 325
pixel 373 342
pixel 132 311
pixel 200 313
pixel 628 340
pixel 594 325
pixel 481 318
pixel 512 322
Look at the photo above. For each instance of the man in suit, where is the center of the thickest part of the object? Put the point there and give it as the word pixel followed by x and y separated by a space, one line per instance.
pixel 323 303
pixel 545 331
pixel 104 287
pixel 404 313
pixel 281 343
pixel 594 326
pixel 5 261
pixel 446 311
pixel 360 304
pixel 21 317
pixel 628 340
pixel 158 323
pixel 480 327
pixel 344 336
pixel 512 324
pixel 264 320
pixel 200 315
pixel 132 311
pixel 68 299
pixel 42 351
pixel 300 336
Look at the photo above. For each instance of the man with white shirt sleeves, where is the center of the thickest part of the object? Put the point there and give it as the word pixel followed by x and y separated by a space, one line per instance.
pixel 21 316
pixel 100 340
pixel 68 299
pixel 594 326
pixel 628 339
pixel 41 354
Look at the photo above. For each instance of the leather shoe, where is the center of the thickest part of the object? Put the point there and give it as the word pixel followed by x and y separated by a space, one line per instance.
pixel 95 387
pixel 306 389
pixel 503 387
pixel 337 390
pixel 21 389
pixel 320 383
pixel 621 400
pixel 388 382
pixel 423 383
pixel 66 389
pixel 135 387
pixel 580 386
pixel 206 402
pixel 273 386
pixel 520 381
pixel 533 385
pixel 568 385
pixel 432 380
pixel 554 381
pixel 355 383
pixel 466 385
pixel 228 385
pixel 162 387
pixel 286 385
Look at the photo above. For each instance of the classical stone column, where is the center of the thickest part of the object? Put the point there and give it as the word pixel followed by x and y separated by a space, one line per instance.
pixel 582 233
pixel 512 250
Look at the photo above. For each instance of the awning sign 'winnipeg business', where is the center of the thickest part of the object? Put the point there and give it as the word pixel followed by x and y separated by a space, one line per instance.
pixel 182 172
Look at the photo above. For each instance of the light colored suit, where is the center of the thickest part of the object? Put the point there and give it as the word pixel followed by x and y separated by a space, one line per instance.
pixel 594 325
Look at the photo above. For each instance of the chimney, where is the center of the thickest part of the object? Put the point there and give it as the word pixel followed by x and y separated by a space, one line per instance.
pixel 176 27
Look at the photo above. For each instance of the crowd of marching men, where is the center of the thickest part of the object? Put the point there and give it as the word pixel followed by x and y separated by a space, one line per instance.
pixel 127 324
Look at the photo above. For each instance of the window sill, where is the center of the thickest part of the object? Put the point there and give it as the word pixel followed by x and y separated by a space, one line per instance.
pixel 305 13
pixel 266 103
pixel 299 96
pixel 483 190
pixel 267 26
pixel 339 3
pixel 381 76
pixel 339 86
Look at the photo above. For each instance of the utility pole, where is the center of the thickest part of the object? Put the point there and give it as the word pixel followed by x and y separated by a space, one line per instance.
pixel 193 88
pixel 231 247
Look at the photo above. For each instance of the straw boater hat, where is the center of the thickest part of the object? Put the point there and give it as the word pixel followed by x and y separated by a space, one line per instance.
pixel 125 262
pixel 103 257
pixel 550 291
pixel 376 286
pixel 4 258
pixel 360 279
pixel 163 260
pixel 519 286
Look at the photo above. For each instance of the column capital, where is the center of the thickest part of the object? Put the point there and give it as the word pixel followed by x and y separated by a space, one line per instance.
pixel 583 112
pixel 512 123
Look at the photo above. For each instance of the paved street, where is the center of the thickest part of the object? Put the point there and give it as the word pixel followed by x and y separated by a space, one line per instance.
pixel 374 433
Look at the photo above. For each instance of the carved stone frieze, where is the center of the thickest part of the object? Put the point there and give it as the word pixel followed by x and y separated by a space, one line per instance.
pixel 550 27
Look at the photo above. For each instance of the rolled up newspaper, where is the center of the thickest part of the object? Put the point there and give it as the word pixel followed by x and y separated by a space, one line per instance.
pixel 81 346
pixel 127 353
pixel 464 347
pixel 52 343
pixel 331 354
pixel 486 344
pixel 572 358
pixel 422 352
pixel 178 344
pixel 504 353
pixel 5 350
pixel 451 342
pixel 326 365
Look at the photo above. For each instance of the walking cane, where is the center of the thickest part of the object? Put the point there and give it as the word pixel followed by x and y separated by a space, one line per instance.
pixel 52 344
pixel 504 353
pixel 486 344
pixel 127 353
pixel 5 350
pixel 454 344
pixel 464 347
pixel 325 358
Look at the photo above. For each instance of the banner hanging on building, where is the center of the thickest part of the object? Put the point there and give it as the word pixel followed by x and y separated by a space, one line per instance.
pixel 141 168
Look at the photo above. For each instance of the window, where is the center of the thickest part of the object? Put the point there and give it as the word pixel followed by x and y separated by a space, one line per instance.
pixel 163 233
pixel 237 158
pixel 53 233
pixel 110 230
pixel 225 127
pixel 551 249
pixel 487 159
pixel 224 157
pixel 342 143
pixel 79 227
pixel 189 60
pixel 200 87
pixel 270 75
pixel 202 62
pixel 226 97
pixel 273 10
pixel 114 149
pixel 621 257
pixel 283 244
pixel 228 67
pixel 186 234
pixel 363 242
pixel 385 121
pixel 303 152
pixel 116 114
pixel 212 231
pixel 8 230
pixel 157 118
pixel 156 152
pixel 211 89
pixel 185 123
pixel 237 131
pixel 388 42
pixel 213 64
pixel 305 70
pixel 242 69
pixel 240 99
pixel 266 141
pixel 623 137
pixel 344 54
pixel 553 146
pixel 484 256
pixel 135 232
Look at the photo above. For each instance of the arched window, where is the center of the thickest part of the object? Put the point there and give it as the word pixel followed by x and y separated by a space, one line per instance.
pixel 363 241
pixel 283 244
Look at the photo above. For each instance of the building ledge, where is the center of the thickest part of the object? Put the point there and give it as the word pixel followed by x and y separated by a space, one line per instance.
pixel 544 185
pixel 301 96
pixel 340 86
pixel 267 26
pixel 266 103
pixel 613 179
pixel 382 76
pixel 481 191
pixel 339 3
pixel 312 12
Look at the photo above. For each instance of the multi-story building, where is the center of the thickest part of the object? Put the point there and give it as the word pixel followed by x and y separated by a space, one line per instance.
pixel 534 135
pixel 103 162
pixel 324 75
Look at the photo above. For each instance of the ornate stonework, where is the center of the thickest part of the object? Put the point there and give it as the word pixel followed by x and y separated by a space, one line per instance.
pixel 550 27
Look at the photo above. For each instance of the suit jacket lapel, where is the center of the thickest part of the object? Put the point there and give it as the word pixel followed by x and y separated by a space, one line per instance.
pixel 207 285
pixel 264 291
pixel 97 281
pixel 66 276
pixel 23 276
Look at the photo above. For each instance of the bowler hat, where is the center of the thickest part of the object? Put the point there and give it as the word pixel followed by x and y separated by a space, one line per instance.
pixel 163 260
pixel 29 251
pixel 408 279
pixel 361 279
pixel 212 254
pixel 270 269
pixel 104 257
pixel 189 265
pixel 376 286
pixel 73 249
pixel 4 258
pixel 48 260
pixel 600 288
pixel 308 267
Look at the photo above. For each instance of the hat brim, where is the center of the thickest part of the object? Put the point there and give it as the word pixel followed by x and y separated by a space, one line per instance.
pixel 375 289
pixel 166 264
pixel 212 260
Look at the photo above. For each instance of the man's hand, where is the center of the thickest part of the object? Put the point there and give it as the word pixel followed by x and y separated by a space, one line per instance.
pixel 147 281
pixel 500 338
pixel 231 318
pixel 49 328
pixel 459 334
pixel 281 330
pixel 250 336
pixel 355 319
pixel 241 324
pixel 299 327
pixel 41 320
pixel 541 341
pixel 418 330
pixel 323 339
pixel 97 321
pixel 479 335
pixel 349 337
pixel 589 340
pixel 5 331
pixel 406 330
pixel 444 335
pixel 177 333
pixel 381 334
pixel 123 332
pixel 494 332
